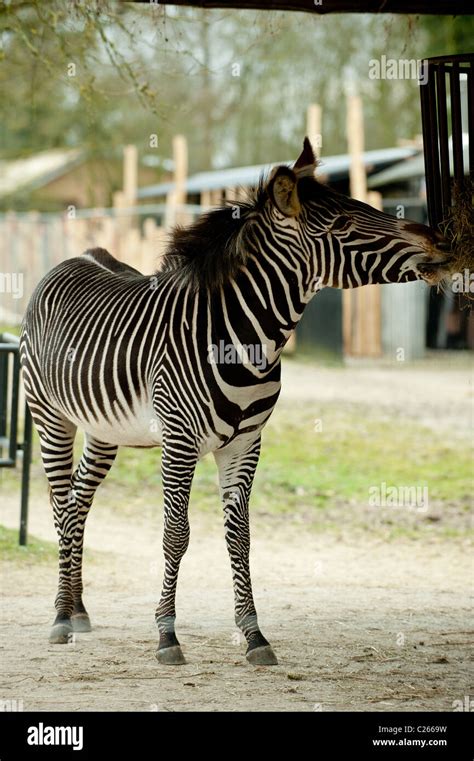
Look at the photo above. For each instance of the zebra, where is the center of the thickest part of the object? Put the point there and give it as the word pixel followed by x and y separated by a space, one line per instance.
pixel 132 361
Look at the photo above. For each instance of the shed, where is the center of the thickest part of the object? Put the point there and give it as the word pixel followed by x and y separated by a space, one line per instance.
pixel 55 179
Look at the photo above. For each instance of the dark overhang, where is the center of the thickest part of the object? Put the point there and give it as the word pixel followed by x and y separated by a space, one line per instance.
pixel 432 7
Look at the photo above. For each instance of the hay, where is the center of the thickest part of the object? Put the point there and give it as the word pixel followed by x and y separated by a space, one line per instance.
pixel 458 229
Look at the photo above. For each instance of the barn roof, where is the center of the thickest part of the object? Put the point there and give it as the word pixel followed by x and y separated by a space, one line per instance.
pixel 38 170
pixel 447 7
pixel 332 167
pixel 414 167
pixel 404 170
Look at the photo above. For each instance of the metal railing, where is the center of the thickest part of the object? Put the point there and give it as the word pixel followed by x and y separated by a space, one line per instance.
pixel 9 408
pixel 447 114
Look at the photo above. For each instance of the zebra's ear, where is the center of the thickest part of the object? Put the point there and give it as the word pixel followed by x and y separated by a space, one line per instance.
pixel 306 162
pixel 282 191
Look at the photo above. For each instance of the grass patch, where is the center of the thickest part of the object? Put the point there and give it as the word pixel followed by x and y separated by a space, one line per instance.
pixel 309 355
pixel 307 467
pixel 13 329
pixel 36 551
pixel 304 467
pixel 340 456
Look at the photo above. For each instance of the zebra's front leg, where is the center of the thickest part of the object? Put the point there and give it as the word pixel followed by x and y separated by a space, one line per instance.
pixel 236 473
pixel 177 467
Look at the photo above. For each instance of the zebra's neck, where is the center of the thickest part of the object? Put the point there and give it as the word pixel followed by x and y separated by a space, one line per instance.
pixel 259 308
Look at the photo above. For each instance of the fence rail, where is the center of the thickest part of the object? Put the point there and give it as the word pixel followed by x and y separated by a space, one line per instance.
pixel 31 244
pixel 9 408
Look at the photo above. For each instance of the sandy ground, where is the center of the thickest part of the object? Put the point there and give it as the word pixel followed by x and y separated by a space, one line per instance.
pixel 436 393
pixel 357 624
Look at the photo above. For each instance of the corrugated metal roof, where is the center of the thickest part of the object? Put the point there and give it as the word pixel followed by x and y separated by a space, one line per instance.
pixel 332 167
pixel 414 167
pixel 405 170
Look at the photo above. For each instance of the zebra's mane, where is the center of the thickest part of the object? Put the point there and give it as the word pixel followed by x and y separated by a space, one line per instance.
pixel 210 252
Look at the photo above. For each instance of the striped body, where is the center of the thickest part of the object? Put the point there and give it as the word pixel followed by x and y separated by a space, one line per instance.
pixel 118 355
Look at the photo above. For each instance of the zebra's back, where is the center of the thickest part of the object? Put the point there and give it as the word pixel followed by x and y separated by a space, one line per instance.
pixel 87 339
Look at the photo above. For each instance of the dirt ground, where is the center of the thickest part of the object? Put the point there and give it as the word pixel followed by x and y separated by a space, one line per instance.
pixel 357 623
pixel 437 392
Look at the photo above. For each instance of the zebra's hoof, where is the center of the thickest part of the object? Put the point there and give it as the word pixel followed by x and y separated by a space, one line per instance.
pixel 81 622
pixel 61 634
pixel 171 656
pixel 262 656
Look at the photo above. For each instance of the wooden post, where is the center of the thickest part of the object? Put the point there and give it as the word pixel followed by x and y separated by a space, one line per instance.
pixel 217 196
pixel 129 192
pixel 148 262
pixel 130 174
pixel 313 127
pixel 122 222
pixel 355 144
pixel 178 195
pixel 180 155
pixel 230 194
pixel 206 199
pixel 374 198
pixel 361 307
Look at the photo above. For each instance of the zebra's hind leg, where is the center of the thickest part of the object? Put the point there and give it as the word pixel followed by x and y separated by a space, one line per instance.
pixel 57 442
pixel 236 472
pixel 96 461
pixel 177 467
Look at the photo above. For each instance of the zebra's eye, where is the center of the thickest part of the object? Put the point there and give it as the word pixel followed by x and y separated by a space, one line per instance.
pixel 340 223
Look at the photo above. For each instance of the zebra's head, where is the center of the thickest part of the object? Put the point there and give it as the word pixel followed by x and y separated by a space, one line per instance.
pixel 345 243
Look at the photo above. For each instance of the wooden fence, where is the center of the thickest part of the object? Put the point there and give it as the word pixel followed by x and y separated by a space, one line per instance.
pixel 31 244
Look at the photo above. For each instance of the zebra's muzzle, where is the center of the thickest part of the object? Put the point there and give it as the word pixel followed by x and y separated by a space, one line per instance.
pixel 434 272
